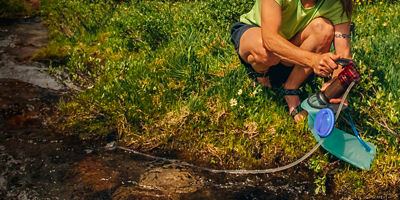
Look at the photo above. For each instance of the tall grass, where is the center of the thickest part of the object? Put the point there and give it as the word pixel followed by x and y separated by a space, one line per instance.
pixel 164 75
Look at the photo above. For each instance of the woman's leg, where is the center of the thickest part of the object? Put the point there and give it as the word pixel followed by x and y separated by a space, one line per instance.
pixel 252 51
pixel 316 37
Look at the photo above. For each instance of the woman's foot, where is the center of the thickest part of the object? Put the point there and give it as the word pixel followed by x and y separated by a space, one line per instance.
pixel 293 100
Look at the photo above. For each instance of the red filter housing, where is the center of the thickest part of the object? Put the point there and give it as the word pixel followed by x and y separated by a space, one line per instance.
pixel 349 74
pixel 340 84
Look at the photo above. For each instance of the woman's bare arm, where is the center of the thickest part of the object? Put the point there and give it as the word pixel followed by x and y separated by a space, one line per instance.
pixel 322 64
pixel 342 47
pixel 342 42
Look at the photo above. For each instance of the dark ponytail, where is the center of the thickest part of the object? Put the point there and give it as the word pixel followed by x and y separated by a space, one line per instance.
pixel 347 7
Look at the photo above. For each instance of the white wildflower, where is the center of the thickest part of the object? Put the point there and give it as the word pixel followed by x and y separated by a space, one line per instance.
pixel 240 92
pixel 233 102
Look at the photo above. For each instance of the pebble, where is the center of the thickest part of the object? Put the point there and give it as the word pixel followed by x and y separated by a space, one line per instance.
pixel 111 146
pixel 88 151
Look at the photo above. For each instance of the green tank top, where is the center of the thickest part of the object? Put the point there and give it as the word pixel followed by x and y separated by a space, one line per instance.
pixel 295 17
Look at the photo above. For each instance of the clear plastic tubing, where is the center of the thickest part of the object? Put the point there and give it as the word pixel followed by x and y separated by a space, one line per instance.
pixel 245 171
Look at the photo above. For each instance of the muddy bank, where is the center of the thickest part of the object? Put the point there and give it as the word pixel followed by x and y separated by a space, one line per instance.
pixel 38 163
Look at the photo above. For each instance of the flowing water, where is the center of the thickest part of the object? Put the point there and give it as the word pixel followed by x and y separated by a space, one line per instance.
pixel 37 162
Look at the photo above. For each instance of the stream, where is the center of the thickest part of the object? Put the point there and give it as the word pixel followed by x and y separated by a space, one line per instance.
pixel 37 162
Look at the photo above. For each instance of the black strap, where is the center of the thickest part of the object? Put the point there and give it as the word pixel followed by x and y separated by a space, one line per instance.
pixel 295 92
pixel 290 92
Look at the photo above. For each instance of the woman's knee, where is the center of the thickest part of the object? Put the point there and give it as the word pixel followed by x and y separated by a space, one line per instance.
pixel 252 50
pixel 323 30
pixel 261 57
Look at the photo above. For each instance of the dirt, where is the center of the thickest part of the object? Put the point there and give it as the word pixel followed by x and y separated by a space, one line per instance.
pixel 39 163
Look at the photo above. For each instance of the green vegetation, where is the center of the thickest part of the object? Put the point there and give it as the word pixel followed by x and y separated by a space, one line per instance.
pixel 15 8
pixel 163 75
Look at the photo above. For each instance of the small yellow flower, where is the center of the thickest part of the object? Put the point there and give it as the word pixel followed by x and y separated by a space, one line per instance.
pixel 381 2
pixel 233 102
pixel 384 24
pixel 240 92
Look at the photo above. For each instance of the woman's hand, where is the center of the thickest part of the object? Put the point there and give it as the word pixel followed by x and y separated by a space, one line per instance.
pixel 324 64
pixel 333 100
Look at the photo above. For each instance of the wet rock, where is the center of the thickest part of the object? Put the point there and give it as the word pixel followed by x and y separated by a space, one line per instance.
pixel 170 179
pixel 91 176
pixel 135 192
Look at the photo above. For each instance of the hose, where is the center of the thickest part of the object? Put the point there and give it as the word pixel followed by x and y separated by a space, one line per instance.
pixel 240 171
pixel 344 99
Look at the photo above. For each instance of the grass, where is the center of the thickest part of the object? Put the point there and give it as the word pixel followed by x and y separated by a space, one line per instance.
pixel 15 8
pixel 163 75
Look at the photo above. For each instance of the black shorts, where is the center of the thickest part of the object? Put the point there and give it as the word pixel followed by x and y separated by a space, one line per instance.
pixel 278 74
